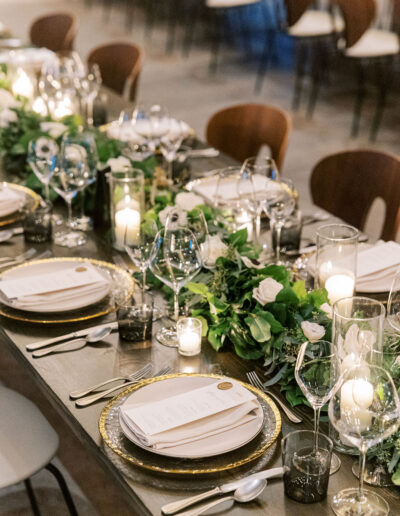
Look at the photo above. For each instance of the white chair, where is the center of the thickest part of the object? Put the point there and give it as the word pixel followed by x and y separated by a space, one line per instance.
pixel 27 444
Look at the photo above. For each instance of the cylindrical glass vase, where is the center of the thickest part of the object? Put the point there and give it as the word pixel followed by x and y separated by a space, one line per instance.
pixel 126 206
pixel 336 264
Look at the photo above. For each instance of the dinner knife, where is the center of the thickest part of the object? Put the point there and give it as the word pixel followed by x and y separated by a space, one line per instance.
pixel 73 335
pixel 174 507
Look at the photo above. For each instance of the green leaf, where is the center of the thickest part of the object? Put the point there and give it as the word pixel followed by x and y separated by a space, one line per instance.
pixel 299 288
pixel 318 297
pixel 287 296
pixel 260 329
pixel 197 288
pixel 396 477
pixel 204 325
pixel 238 238
pixel 276 326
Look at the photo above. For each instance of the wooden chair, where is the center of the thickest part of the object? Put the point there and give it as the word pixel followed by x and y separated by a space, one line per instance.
pixel 120 66
pixel 241 130
pixel 55 31
pixel 347 183
pixel 368 46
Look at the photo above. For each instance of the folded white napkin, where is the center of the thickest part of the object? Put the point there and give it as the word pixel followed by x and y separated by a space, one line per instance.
pixel 210 425
pixel 10 201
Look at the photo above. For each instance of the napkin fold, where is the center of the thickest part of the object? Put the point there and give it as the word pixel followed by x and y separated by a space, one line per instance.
pixel 10 201
pixel 196 430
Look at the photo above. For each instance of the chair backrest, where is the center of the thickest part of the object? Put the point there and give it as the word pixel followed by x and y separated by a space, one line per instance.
pixel 347 183
pixel 241 130
pixel 295 10
pixel 119 63
pixel 396 16
pixel 358 16
pixel 55 31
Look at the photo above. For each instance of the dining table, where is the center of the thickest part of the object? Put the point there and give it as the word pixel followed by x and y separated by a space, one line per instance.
pixel 113 485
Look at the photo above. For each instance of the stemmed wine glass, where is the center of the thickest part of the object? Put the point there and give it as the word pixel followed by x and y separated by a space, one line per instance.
pixel 393 306
pixel 171 142
pixel 279 206
pixel 90 84
pixel 43 160
pixel 197 223
pixel 365 410
pixel 177 259
pixel 317 371
pixel 151 124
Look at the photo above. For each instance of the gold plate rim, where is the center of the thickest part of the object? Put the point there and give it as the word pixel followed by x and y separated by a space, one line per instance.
pixel 233 465
pixel 19 216
pixel 75 319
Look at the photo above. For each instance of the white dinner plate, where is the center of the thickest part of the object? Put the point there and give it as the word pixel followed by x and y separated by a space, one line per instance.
pixel 126 132
pixel 8 208
pixel 207 447
pixel 44 267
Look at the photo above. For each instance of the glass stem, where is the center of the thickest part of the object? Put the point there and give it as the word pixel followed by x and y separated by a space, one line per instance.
pixel 317 412
pixel 89 107
pixel 82 203
pixel 278 243
pixel 47 191
pixel 69 204
pixel 258 227
pixel 143 283
pixel 363 454
pixel 170 170
pixel 176 304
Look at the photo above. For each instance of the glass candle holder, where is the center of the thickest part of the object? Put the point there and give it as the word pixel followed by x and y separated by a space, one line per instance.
pixel 189 336
pixel 336 264
pixel 126 206
pixel 135 322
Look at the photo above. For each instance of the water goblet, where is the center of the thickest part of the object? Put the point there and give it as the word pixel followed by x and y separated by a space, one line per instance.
pixel 90 84
pixel 43 160
pixel 365 409
pixel 393 306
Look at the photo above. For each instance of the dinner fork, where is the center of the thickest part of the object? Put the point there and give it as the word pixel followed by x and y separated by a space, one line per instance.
pixel 137 375
pixel 84 402
pixel 256 382
pixel 20 258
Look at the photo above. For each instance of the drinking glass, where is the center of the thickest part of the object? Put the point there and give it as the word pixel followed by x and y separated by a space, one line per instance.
pixel 393 306
pixel 317 371
pixel 171 141
pixel 90 85
pixel 43 160
pixel 176 260
pixel 151 123
pixel 364 408
pixel 197 223
pixel 279 206
pixel 141 249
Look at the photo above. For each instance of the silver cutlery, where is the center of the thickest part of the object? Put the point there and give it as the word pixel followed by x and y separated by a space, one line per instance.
pixel 245 493
pixel 68 336
pixel 6 234
pixel 256 382
pixel 6 261
pixel 137 375
pixel 84 402
pixel 174 507
pixel 94 336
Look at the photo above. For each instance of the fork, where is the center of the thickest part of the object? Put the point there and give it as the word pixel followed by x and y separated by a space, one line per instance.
pixel 137 375
pixel 30 253
pixel 84 402
pixel 256 382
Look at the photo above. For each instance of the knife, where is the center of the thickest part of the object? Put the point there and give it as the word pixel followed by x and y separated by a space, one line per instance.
pixel 174 507
pixel 73 335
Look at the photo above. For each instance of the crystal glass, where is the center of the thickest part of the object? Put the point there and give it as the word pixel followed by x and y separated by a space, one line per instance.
pixel 365 408
pixel 171 141
pixel 197 223
pixel 152 124
pixel 177 259
pixel 135 322
pixel 316 372
pixel 336 260
pixel 90 85
pixel 393 306
pixel 43 160
pixel 279 206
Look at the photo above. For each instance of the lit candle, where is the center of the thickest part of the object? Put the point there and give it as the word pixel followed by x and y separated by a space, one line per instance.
pixel 356 398
pixel 22 84
pixel 189 336
pixel 339 286
pixel 39 106
pixel 127 227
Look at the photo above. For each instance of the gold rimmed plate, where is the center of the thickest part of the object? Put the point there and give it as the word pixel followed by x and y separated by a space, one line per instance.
pixel 29 200
pixel 114 437
pixel 119 293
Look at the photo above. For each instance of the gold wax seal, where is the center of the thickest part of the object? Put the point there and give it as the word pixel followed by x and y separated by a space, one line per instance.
pixel 224 386
pixel 80 269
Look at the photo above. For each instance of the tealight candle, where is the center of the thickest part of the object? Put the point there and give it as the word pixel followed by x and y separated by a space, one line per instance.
pixel 189 336
pixel 339 286
pixel 356 398
pixel 127 227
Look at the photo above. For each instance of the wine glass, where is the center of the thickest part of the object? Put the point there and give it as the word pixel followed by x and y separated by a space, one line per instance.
pixel 279 206
pixel 316 372
pixel 43 160
pixel 365 410
pixel 197 223
pixel 90 85
pixel 171 142
pixel 393 306
pixel 176 260
pixel 140 249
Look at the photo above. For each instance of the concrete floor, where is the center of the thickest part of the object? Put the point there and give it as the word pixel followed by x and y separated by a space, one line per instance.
pixel 185 87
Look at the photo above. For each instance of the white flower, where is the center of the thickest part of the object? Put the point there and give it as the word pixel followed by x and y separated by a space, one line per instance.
pixel 267 291
pixel 119 164
pixel 7 116
pixel 327 309
pixel 188 200
pixel 358 341
pixel 55 129
pixel 75 153
pixel 312 331
pixel 250 264
pixel 212 248
pixel 7 99
pixel 175 216
pixel 46 148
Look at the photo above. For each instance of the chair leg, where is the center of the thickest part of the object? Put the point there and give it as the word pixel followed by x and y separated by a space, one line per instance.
pixel 212 68
pixel 301 56
pixel 264 61
pixel 359 100
pixel 384 77
pixel 64 488
pixel 32 497
pixel 316 71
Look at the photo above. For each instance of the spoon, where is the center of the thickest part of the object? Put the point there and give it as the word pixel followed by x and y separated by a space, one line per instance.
pixel 245 493
pixel 73 345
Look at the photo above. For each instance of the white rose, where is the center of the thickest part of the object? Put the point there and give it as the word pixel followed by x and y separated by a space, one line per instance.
pixel 312 331
pixel 7 116
pixel 175 216
pixel 250 264
pixel 327 309
pixel 267 291
pixel 75 153
pixel 55 129
pixel 358 341
pixel 119 164
pixel 46 148
pixel 188 200
pixel 212 249
pixel 7 99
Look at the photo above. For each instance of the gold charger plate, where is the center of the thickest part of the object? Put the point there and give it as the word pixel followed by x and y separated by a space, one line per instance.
pixel 114 438
pixel 121 291
pixel 32 200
